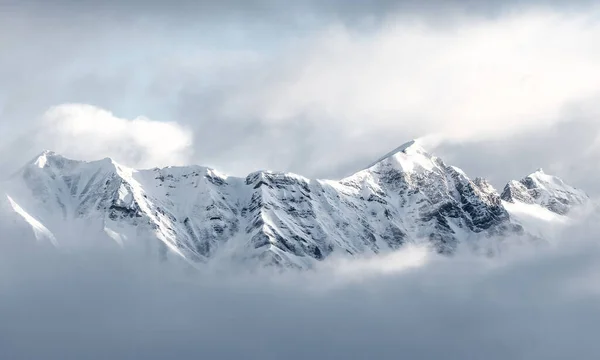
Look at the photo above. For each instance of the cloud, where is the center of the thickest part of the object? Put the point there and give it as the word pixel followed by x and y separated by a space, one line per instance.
pixel 356 95
pixel 325 98
pixel 530 302
pixel 87 132
pixel 295 14
pixel 567 149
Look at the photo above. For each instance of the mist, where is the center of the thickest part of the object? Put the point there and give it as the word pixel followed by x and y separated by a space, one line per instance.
pixel 531 301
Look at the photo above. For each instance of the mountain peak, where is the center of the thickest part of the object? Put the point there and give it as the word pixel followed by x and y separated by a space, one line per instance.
pixel 546 190
pixel 539 173
pixel 411 146
pixel 51 158
pixel 540 177
pixel 408 148
pixel 47 152
pixel 42 159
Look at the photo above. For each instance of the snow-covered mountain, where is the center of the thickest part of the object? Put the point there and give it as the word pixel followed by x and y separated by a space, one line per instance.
pixel 274 218
pixel 545 190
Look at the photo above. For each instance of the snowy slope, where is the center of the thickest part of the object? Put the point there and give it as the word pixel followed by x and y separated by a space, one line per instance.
pixel 542 203
pixel 544 190
pixel 272 218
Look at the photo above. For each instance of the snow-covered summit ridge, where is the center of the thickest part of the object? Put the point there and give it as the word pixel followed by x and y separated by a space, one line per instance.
pixel 52 160
pixel 548 191
pixel 274 218
pixel 47 158
pixel 410 148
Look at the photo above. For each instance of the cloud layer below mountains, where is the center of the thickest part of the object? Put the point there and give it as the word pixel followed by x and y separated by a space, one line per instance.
pixel 97 303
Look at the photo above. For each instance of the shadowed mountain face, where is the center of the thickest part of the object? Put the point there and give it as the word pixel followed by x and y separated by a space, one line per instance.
pixel 273 218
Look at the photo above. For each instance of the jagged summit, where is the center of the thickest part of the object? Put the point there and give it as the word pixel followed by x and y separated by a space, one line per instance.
pixel 548 191
pixel 50 158
pixel 41 160
pixel 47 152
pixel 409 148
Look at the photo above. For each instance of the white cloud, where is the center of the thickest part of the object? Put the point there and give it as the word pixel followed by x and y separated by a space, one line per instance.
pixel 323 102
pixel 87 132
pixel 384 264
pixel 362 93
pixel 482 78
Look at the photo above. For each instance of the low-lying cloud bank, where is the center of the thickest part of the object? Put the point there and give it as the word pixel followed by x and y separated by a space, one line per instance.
pixel 530 302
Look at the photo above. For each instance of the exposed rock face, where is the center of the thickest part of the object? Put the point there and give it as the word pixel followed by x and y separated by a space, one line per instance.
pixel 545 190
pixel 280 219
pixel 434 200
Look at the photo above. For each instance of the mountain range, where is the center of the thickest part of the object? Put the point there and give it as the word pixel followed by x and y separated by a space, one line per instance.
pixel 198 214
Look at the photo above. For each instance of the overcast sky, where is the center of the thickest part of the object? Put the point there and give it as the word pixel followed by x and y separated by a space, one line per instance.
pixel 319 88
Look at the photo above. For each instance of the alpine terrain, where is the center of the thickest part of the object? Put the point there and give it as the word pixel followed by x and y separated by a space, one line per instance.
pixel 276 218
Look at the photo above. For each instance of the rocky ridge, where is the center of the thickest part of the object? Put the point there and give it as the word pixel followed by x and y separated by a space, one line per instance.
pixel 276 218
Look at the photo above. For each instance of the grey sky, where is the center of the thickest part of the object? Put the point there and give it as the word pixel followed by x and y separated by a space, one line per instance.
pixel 243 10
pixel 317 88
